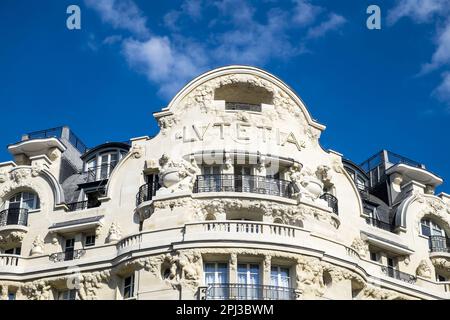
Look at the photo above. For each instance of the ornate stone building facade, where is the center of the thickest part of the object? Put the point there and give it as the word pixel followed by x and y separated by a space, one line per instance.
pixel 233 199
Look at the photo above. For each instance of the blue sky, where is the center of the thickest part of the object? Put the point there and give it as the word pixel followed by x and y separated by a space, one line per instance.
pixel 373 89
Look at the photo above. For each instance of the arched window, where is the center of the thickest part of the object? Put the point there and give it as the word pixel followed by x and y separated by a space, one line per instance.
pixel 430 228
pixel 24 200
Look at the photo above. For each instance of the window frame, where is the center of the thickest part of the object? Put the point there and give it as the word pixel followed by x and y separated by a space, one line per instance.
pixel 130 288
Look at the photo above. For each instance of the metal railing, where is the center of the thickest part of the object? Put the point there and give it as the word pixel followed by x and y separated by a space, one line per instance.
pixel 243 183
pixel 147 192
pixel 67 255
pixel 332 202
pixel 439 244
pixel 236 291
pixel 243 106
pixel 394 273
pixel 82 205
pixel 48 133
pixel 14 216
pixel 98 173
pixel 380 224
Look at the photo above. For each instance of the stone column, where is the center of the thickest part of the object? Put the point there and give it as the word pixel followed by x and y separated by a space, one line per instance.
pixel 232 277
pixel 267 270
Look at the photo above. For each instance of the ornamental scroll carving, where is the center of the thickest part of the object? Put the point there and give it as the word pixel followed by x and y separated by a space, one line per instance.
pixel 423 270
pixel 434 207
pixel 21 178
pixel 285 106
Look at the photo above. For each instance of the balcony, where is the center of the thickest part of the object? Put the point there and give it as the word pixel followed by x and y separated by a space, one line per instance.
pixel 82 205
pixel 99 173
pixel 332 202
pixel 243 183
pixel 394 273
pixel 380 224
pixel 236 291
pixel 16 217
pixel 439 244
pixel 67 255
pixel 147 192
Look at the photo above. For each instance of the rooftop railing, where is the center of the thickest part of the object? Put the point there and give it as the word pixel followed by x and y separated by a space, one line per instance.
pixel 237 291
pixel 58 133
pixel 14 216
pixel 243 183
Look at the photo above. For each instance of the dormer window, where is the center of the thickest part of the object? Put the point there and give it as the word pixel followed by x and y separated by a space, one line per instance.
pixel 101 165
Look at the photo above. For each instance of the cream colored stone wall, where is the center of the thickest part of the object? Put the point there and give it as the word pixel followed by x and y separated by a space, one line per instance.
pixel 327 254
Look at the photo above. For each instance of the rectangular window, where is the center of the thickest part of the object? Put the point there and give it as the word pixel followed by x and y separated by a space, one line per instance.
pixel 128 287
pixel 374 256
pixel 249 282
pixel 89 241
pixel 15 251
pixel 68 295
pixel 280 280
pixel 11 296
pixel 216 278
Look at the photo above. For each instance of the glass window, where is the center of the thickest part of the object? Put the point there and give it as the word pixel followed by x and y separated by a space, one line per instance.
pixel 280 279
pixel 374 256
pixel 15 251
pixel 90 241
pixel 249 280
pixel 11 296
pixel 68 295
pixel 24 200
pixel 128 287
pixel 216 278
pixel 430 228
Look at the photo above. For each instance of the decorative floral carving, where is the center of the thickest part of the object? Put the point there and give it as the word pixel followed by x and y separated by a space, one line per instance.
pixel 434 206
pixel 361 246
pixel 11 237
pixel 37 246
pixel 376 293
pixel 37 290
pixel 441 263
pixel 167 122
pixel 423 270
pixel 90 283
pixel 309 277
pixel 323 172
pixel 114 233
pixel 137 151
pixel 177 175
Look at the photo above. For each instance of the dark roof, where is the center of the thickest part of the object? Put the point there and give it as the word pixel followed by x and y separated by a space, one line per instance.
pixel 107 145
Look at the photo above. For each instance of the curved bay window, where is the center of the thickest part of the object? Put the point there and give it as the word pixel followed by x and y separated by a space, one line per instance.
pixel 101 166
pixel 437 239
pixel 17 208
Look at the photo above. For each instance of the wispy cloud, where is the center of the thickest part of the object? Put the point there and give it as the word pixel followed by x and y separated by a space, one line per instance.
pixel 121 14
pixel 419 10
pixel 333 23
pixel 237 32
pixel 437 13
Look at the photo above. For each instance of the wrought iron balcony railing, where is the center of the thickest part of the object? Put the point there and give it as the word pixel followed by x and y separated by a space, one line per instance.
pixel 67 255
pixel 380 224
pixel 147 192
pixel 439 244
pixel 332 202
pixel 98 173
pixel 82 205
pixel 14 216
pixel 236 291
pixel 394 273
pixel 243 183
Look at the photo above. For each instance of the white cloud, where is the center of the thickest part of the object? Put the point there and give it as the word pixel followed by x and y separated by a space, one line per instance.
pixel 240 34
pixel 333 23
pixel 121 14
pixel 161 62
pixel 442 54
pixel 305 13
pixel 442 92
pixel 418 10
